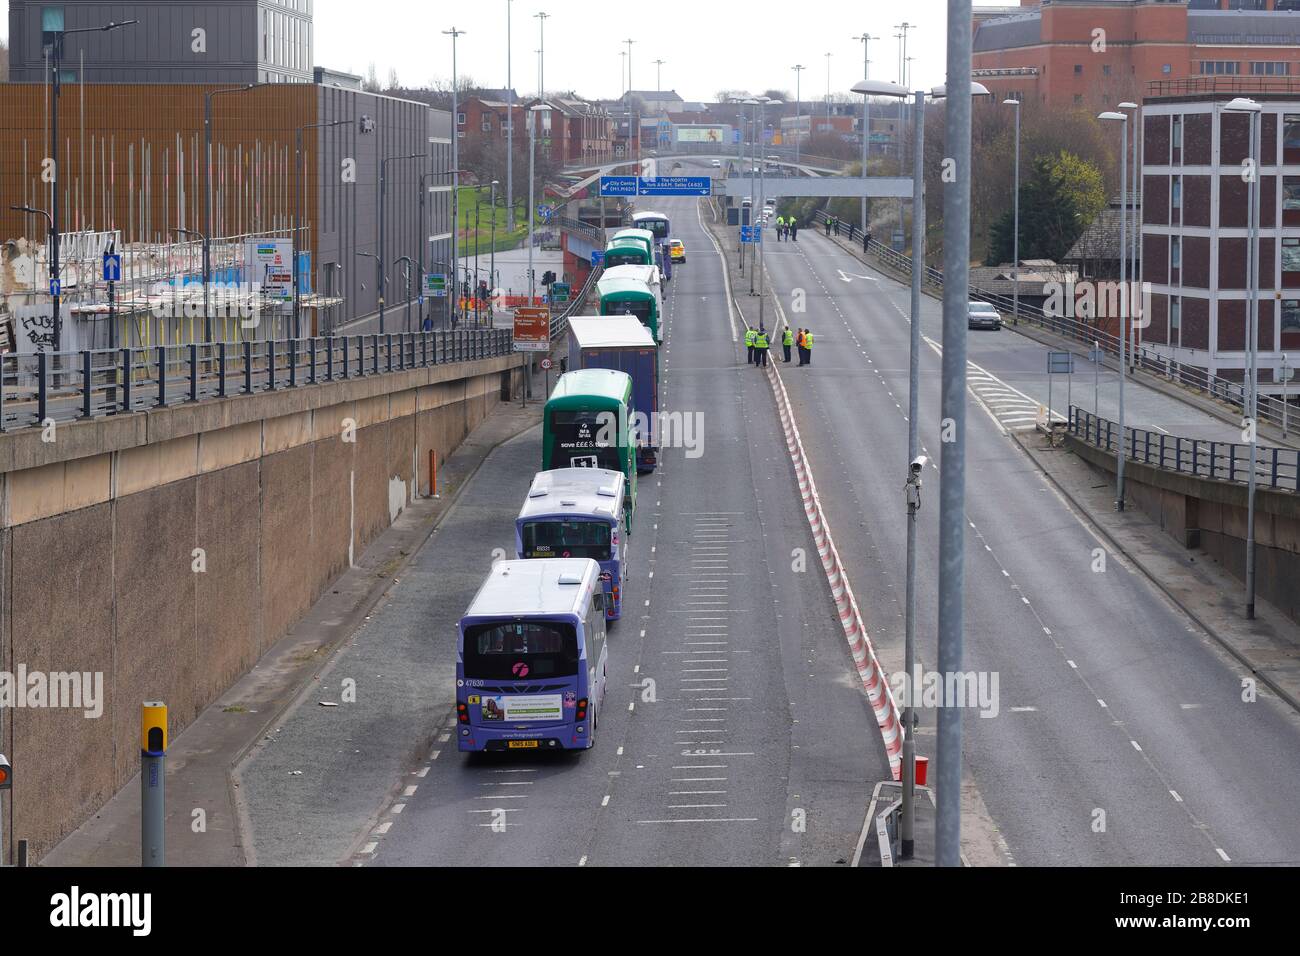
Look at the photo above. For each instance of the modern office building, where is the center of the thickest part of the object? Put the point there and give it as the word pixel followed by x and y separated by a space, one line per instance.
pixel 199 41
pixel 1195 225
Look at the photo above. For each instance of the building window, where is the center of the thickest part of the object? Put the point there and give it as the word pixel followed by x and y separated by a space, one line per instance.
pixel 1220 67
pixel 1291 131
pixel 1175 252
pixel 1178 132
pixel 1291 255
pixel 1291 192
pixel 51 19
pixel 1291 315
pixel 1176 199
pixel 460 119
pixel 1105 69
pixel 1078 69
pixel 1175 315
pixel 1270 68
pixel 1078 99
pixel 1166 69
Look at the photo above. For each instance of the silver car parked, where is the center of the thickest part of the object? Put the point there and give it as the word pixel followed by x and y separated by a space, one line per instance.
pixel 982 315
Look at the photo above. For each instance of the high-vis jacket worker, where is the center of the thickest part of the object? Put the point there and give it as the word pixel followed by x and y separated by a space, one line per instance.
pixel 807 346
pixel 787 340
pixel 750 337
pixel 760 348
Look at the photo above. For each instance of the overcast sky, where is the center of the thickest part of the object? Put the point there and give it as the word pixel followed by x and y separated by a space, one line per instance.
pixel 707 45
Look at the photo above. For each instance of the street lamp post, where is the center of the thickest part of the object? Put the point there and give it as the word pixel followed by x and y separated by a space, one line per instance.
pixel 455 163
pixel 866 39
pixel 56 85
pixel 383 193
pixel 510 129
pixel 532 161
pixel 299 200
pixel 763 103
pixel 1015 237
pixel 407 268
pixel 492 256
pixel 541 69
pixel 207 197
pixel 1132 223
pixel 798 112
pixel 1251 107
pixel 1112 116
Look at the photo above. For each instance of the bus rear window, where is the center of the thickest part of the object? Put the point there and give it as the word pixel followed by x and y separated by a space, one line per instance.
pixel 640 309
pixel 584 440
pixel 625 259
pixel 567 539
pixel 521 650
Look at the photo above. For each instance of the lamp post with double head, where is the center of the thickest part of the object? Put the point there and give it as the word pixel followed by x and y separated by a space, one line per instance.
pixel 1111 116
pixel 1015 228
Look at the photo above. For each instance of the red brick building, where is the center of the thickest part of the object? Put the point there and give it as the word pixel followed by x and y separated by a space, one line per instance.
pixel 1089 52
pixel 573 131
pixel 1194 224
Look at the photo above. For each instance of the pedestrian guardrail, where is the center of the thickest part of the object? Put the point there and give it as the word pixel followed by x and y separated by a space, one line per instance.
pixel 68 386
pixel 1270 408
pixel 1224 461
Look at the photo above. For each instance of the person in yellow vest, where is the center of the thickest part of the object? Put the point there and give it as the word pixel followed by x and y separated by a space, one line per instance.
pixel 807 346
pixel 760 348
pixel 750 337
pixel 787 340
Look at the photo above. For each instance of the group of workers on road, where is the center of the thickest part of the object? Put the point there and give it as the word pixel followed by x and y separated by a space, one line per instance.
pixel 757 344
pixel 787 227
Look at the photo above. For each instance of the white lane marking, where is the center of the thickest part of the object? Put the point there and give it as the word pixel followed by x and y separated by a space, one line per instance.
pixel 1174 794
pixel 1222 855
pixel 369 848
pixel 713 820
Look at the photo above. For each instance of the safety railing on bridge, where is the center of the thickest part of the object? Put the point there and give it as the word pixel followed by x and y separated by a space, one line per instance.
pixel 1225 461
pixel 1143 358
pixel 67 386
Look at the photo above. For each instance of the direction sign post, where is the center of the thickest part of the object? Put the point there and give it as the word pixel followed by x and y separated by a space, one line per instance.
pixel 1059 363
pixel 532 328
pixel 597 257
pixel 751 233
pixel 618 186
pixel 112 267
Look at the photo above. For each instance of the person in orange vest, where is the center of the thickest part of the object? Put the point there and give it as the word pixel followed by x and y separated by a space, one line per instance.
pixel 799 342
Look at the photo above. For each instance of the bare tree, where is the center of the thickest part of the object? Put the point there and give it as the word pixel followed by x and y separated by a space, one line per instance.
pixel 393 82
pixel 4 62
pixel 371 83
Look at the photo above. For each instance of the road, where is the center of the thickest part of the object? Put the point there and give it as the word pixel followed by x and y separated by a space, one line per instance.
pixel 1120 735
pixel 734 730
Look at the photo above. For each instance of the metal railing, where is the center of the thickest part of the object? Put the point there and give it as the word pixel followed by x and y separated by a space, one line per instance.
pixel 560 322
pixel 1224 461
pixel 593 234
pixel 69 386
pixel 1141 358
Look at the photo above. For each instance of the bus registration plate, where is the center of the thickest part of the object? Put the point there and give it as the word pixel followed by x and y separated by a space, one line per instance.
pixel 521 744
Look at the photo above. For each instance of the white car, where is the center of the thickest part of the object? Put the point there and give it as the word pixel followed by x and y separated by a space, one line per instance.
pixel 982 315
pixel 716 164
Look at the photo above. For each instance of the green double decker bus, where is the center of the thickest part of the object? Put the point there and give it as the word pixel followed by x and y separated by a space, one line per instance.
pixel 628 251
pixel 588 424
pixel 628 295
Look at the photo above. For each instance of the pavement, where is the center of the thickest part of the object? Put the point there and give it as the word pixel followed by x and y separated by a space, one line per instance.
pixel 1120 735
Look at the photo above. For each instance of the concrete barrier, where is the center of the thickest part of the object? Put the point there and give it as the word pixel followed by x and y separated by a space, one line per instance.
pixel 166 550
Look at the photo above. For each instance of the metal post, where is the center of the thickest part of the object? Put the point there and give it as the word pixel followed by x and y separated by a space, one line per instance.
pixel 532 166
pixel 1123 299
pixel 952 493
pixel 383 270
pixel 798 114
pixel 1252 280
pixel 1096 377
pixel 1015 240
pixel 913 448
pixel 153 765
pixel 510 129
pixel 455 173
pixel 762 189
pixel 1284 399
pixel 56 56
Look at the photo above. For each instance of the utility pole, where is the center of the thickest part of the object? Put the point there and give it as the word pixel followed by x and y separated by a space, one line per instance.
pixel 510 126
pixel 455 179
pixel 902 56
pixel 659 80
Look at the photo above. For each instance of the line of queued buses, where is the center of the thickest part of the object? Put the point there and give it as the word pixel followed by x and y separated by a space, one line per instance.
pixel 532 653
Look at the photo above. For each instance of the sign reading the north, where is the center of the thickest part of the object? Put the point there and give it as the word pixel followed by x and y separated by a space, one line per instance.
pixel 656 186
pixel 532 328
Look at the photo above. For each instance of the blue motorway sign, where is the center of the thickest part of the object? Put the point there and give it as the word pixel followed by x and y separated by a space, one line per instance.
pixel 676 186
pixel 751 233
pixel 735 136
pixel 112 267
pixel 618 185
pixel 597 257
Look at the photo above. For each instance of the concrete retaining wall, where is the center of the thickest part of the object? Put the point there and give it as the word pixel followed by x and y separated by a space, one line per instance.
pixel 1210 515
pixel 100 532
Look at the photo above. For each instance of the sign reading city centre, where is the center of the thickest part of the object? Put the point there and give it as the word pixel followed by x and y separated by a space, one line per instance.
pixel 657 186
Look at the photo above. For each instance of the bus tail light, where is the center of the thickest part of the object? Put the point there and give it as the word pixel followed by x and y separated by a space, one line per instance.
pixel 462 713
pixel 581 713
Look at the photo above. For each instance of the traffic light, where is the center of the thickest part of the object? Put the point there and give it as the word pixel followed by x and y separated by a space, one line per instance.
pixel 548 277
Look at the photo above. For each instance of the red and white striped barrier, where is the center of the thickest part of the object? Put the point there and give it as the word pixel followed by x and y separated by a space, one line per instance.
pixel 874 679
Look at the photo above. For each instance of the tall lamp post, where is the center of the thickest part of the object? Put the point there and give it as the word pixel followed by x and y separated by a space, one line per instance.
pixel 207 196
pixel 298 204
pixel 532 175
pixel 510 128
pixel 455 167
pixel 55 44
pixel 866 39
pixel 1133 232
pixel 798 111
pixel 1252 108
pixel 541 65
pixel 763 103
pixel 1111 116
pixel 1015 236
pixel 383 193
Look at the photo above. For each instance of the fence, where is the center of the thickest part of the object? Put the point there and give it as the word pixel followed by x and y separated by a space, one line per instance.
pixel 1233 393
pixel 69 386
pixel 1224 461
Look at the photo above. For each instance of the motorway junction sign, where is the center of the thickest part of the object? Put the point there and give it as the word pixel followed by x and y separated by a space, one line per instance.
pixel 656 186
